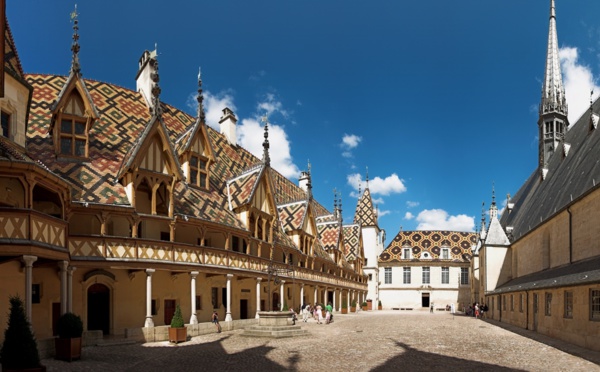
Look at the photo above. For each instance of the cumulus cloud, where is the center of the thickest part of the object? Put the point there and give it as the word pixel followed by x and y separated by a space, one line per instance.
pixel 579 82
pixel 438 219
pixel 382 186
pixel 271 105
pixel 412 204
pixel 378 201
pixel 409 216
pixel 349 142
pixel 382 213
pixel 249 133
pixel 213 105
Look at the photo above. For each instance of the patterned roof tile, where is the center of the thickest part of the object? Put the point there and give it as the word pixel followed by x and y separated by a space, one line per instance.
pixel 460 244
pixel 365 213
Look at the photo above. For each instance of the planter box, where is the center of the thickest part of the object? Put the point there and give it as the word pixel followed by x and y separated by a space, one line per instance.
pixel 344 310
pixel 178 335
pixel 379 307
pixel 352 309
pixel 364 308
pixel 67 348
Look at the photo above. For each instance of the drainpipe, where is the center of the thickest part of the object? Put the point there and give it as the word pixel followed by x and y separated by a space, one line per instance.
pixel 570 235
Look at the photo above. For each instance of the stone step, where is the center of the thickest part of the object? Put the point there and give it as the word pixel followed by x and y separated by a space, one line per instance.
pixel 275 334
pixel 274 328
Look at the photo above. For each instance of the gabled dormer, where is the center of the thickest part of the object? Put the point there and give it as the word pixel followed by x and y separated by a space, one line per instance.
pixel 195 150
pixel 73 112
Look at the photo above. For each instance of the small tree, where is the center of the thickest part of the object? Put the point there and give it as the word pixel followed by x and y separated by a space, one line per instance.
pixel 19 350
pixel 177 321
pixel 379 304
pixel 344 304
pixel 69 325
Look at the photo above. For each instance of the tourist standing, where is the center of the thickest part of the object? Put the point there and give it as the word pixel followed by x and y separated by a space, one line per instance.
pixel 215 320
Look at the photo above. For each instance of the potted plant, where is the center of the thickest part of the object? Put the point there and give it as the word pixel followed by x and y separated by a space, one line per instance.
pixel 178 330
pixel 19 350
pixel 353 306
pixel 364 306
pixel 344 307
pixel 379 307
pixel 68 343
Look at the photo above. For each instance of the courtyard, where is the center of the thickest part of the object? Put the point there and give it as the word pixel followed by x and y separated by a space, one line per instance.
pixel 367 341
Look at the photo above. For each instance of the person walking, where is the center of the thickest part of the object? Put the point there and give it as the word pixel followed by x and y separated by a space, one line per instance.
pixel 305 312
pixel 215 320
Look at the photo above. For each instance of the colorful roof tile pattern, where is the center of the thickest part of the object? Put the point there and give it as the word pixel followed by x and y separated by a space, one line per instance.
pixel 329 233
pixel 460 244
pixel 292 215
pixel 352 242
pixel 365 213
pixel 241 188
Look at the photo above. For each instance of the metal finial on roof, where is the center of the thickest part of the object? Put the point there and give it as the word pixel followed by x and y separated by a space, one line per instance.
pixel 155 87
pixel 493 193
pixel 75 66
pixel 335 200
pixel 200 97
pixel 367 177
pixel 266 159
pixel 309 183
pixel 359 188
pixel 309 166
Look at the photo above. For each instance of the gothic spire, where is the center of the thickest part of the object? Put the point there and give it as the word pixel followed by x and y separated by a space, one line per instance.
pixel 266 159
pixel 200 98
pixel 75 66
pixel 367 177
pixel 309 184
pixel 553 110
pixel 493 207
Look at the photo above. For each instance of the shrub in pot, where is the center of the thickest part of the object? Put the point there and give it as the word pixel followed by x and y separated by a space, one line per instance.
pixel 379 307
pixel 68 343
pixel 364 306
pixel 344 307
pixel 19 350
pixel 353 306
pixel 178 330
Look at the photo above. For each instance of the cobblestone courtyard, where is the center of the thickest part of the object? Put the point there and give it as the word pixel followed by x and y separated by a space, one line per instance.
pixel 367 341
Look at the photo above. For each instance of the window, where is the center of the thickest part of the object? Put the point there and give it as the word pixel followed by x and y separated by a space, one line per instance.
pixel 406 253
pixel 215 297
pixel 445 253
pixel 72 130
pixel 464 276
pixel 366 262
pixel 512 303
pixel 595 304
pixel 504 302
pixel 548 304
pixel 153 309
pixel 426 276
pixel 370 277
pixel 5 128
pixel 406 276
pixel 521 302
pixel 568 311
pixel 198 171
pixel 224 296
pixel 445 275
pixel 388 275
pixel 198 302
pixel 498 303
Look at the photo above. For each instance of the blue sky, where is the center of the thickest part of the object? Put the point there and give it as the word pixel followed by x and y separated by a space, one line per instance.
pixel 437 98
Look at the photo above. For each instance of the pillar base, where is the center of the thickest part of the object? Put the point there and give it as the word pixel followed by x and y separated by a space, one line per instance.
pixel 193 319
pixel 149 322
pixel 228 317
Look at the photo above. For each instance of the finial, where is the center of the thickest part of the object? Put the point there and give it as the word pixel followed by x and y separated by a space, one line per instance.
pixel 200 97
pixel 493 193
pixel 155 87
pixel 591 99
pixel 75 67
pixel 309 166
pixel 367 177
pixel 309 183
pixel 335 205
pixel 359 188
pixel 266 159
pixel 552 9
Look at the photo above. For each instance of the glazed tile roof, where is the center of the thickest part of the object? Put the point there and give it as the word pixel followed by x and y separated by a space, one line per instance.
pixel 352 242
pixel 241 188
pixel 292 215
pixel 365 213
pixel 460 244
pixel 329 233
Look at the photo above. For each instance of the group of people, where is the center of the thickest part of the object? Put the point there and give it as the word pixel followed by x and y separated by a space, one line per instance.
pixel 316 311
pixel 477 310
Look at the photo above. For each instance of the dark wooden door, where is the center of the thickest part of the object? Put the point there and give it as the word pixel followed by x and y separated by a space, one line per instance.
pixel 243 309
pixel 98 308
pixel 169 311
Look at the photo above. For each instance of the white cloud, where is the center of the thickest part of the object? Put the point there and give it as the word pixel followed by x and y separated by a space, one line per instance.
pixel 383 213
pixel 213 105
pixel 409 216
pixel 578 80
pixel 412 204
pixel 271 105
pixel 378 201
pixel 438 219
pixel 382 186
pixel 250 136
pixel 350 141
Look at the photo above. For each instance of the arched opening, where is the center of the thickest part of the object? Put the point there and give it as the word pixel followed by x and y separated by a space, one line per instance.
pixel 12 193
pixel 162 200
pixel 98 308
pixel 47 202
pixel 275 306
pixel 143 197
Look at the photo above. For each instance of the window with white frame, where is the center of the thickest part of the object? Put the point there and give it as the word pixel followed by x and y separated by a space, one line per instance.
pixel 426 275
pixel 406 253
pixel 388 275
pixel 445 275
pixel 406 276
pixel 445 253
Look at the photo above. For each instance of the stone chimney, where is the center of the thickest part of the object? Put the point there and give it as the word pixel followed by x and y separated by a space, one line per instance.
pixel 304 180
pixel 227 124
pixel 147 76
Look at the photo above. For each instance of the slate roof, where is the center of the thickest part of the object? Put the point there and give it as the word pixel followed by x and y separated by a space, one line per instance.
pixel 578 273
pixel 460 244
pixel 568 178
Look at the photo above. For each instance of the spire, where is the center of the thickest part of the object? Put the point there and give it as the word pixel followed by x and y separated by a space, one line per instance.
pixel 155 79
pixel 309 183
pixel 200 98
pixel 482 217
pixel 266 159
pixel 367 177
pixel 335 205
pixel 493 207
pixel 75 67
pixel 359 188
pixel 553 121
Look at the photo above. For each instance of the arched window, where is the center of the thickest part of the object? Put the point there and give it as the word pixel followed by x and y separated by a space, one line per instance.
pixel 73 136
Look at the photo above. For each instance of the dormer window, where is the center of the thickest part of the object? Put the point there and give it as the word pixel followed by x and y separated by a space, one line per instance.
pixel 5 128
pixel 72 132
pixel 445 253
pixel 406 253
pixel 198 171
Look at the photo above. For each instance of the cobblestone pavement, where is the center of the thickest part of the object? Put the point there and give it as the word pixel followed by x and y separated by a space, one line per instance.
pixel 367 341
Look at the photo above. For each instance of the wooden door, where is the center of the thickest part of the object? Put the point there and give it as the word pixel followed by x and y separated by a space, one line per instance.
pixel 169 311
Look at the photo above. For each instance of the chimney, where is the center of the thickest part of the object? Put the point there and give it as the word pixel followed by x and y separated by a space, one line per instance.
pixel 227 124
pixel 147 76
pixel 304 180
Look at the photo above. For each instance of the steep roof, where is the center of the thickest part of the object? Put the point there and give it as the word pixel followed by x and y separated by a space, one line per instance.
pixel 460 244
pixel 12 62
pixel 365 213
pixel 569 177
pixel 352 242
